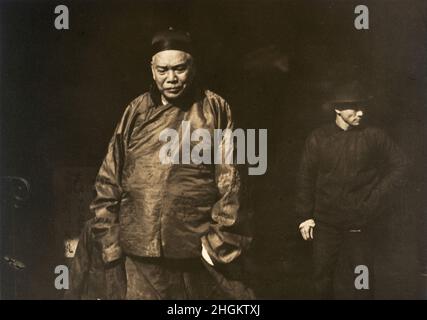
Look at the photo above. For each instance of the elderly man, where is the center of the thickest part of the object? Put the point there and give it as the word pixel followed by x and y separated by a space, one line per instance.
pixel 177 226
pixel 348 174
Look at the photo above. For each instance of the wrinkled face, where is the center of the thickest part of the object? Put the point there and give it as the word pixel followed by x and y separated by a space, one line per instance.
pixel 173 72
pixel 350 116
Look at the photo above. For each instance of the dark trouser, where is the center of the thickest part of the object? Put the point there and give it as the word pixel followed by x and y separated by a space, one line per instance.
pixel 336 254
pixel 161 278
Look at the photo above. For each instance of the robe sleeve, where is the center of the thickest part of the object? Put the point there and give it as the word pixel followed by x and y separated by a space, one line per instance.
pixel 230 231
pixel 108 192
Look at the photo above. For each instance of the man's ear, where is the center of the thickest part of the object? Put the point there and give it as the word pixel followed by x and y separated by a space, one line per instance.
pixel 152 70
pixel 191 64
pixel 152 65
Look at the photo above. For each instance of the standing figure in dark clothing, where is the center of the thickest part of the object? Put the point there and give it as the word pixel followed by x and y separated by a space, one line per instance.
pixel 347 176
pixel 177 224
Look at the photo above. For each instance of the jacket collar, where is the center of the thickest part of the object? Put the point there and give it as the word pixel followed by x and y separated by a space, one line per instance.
pixel 335 128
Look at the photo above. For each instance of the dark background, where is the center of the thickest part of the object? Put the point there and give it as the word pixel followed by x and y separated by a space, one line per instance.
pixel 276 62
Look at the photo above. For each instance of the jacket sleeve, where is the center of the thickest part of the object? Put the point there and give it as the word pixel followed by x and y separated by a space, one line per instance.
pixel 306 181
pixel 230 230
pixel 106 203
pixel 393 165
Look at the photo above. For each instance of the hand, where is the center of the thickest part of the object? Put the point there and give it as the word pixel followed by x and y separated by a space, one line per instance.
pixel 70 247
pixel 206 256
pixel 306 229
pixel 106 238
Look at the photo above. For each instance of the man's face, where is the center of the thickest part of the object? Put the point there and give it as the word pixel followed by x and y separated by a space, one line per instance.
pixel 350 116
pixel 173 72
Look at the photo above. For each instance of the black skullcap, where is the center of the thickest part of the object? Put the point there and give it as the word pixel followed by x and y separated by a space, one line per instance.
pixel 171 39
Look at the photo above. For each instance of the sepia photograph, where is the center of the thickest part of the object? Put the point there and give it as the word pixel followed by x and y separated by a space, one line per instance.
pixel 213 150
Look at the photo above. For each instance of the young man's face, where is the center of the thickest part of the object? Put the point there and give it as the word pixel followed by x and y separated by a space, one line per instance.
pixel 350 116
pixel 173 72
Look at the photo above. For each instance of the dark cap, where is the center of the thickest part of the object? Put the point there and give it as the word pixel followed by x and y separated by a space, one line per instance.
pixel 349 94
pixel 171 39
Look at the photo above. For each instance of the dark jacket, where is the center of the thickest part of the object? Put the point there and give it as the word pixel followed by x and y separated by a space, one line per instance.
pixel 346 178
pixel 149 209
